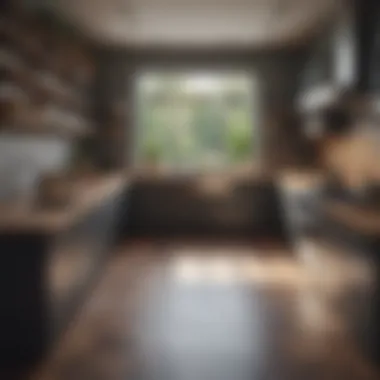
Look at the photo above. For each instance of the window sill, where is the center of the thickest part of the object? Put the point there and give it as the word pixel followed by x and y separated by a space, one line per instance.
pixel 235 174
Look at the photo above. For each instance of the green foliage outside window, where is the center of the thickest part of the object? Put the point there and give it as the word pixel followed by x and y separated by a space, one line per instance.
pixel 195 129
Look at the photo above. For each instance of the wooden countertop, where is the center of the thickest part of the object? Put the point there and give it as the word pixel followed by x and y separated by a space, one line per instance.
pixel 23 217
pixel 301 179
pixel 361 219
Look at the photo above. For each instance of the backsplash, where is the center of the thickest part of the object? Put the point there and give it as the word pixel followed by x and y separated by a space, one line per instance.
pixel 23 159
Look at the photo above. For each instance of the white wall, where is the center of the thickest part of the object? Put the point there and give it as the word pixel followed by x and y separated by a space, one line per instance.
pixel 23 159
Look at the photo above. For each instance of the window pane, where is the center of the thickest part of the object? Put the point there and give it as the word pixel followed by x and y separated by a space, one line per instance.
pixel 195 121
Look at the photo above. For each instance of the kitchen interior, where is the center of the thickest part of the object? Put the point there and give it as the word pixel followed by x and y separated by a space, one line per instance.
pixel 70 196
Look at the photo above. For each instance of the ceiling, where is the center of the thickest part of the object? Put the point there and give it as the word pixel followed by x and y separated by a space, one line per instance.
pixel 216 23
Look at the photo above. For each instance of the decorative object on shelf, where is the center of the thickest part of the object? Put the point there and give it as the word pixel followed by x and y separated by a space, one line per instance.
pixel 318 98
pixel 54 190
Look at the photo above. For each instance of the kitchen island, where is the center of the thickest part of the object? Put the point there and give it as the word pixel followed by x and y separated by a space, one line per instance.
pixel 355 229
pixel 51 259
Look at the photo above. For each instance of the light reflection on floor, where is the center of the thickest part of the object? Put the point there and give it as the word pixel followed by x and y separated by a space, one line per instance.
pixel 166 312
pixel 240 269
pixel 270 272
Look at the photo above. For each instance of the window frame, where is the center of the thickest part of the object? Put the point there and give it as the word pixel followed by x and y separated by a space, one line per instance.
pixel 135 143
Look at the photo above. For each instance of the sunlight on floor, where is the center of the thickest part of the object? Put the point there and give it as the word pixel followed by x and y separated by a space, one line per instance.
pixel 241 269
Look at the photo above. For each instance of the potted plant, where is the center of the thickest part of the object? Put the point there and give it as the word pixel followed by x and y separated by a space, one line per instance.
pixel 239 144
pixel 151 155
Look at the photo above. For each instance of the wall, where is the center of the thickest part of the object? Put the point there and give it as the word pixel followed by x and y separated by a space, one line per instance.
pixel 24 159
pixel 366 16
pixel 278 73
pixel 174 205
pixel 283 141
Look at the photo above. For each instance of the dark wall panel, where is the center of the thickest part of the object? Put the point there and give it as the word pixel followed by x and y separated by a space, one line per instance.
pixel 248 208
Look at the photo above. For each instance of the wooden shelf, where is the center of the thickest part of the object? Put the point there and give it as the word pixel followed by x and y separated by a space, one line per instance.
pixel 44 133
pixel 38 60
pixel 32 83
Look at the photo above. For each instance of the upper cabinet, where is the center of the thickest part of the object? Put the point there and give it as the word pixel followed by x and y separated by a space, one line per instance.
pixel 345 59
pixel 318 70
pixel 331 67
pixel 344 51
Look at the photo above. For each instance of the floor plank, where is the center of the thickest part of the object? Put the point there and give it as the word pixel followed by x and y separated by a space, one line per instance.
pixel 172 310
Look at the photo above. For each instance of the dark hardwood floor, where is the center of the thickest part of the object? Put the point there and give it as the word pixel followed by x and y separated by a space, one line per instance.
pixel 187 310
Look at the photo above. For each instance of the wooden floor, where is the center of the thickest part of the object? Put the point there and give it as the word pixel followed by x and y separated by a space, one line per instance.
pixel 172 310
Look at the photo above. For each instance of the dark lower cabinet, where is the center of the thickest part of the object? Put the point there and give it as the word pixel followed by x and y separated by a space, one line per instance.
pixel 360 305
pixel 24 319
pixel 300 212
pixel 44 280
pixel 247 208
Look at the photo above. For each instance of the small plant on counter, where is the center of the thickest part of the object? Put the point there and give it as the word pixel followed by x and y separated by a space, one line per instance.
pixel 152 154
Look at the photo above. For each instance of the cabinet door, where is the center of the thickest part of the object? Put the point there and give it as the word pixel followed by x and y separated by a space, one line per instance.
pixel 76 257
pixel 71 260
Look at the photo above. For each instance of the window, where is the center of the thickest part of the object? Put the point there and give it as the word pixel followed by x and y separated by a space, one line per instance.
pixel 194 121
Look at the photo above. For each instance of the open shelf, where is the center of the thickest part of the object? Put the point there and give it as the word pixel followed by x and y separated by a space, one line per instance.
pixel 45 71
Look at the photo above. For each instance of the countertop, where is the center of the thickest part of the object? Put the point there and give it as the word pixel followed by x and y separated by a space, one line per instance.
pixel 362 219
pixel 301 179
pixel 24 217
